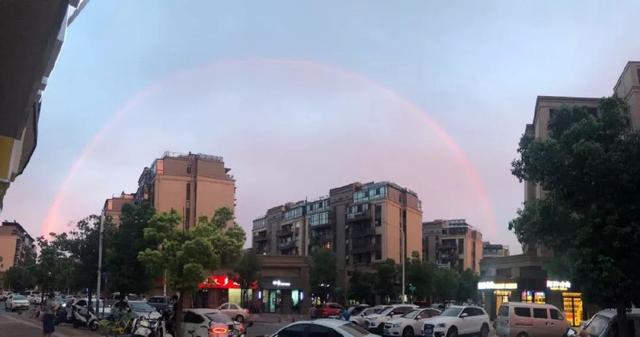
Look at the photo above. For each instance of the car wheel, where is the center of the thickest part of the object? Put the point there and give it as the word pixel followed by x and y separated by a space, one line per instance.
pixel 75 324
pixel 93 326
pixel 240 318
pixel 452 332
pixel 407 332
pixel 484 331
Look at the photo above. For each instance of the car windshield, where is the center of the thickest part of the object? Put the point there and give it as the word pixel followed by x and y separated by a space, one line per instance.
pixel 218 318
pixel 382 310
pixel 354 330
pixel 18 297
pixel 597 325
pixel 357 310
pixel 140 307
pixel 412 314
pixel 452 312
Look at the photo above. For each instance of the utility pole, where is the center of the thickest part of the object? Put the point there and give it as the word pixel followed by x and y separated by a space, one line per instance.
pixel 99 264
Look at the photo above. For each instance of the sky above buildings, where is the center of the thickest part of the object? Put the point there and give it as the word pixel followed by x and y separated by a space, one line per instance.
pixel 299 97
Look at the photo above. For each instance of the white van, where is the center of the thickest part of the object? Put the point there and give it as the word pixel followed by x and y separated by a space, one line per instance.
pixel 517 319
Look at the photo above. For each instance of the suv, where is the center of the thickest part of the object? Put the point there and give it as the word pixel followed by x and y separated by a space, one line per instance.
pixel 529 319
pixel 375 323
pixel 161 303
pixel 457 320
pixel 326 310
pixel 605 324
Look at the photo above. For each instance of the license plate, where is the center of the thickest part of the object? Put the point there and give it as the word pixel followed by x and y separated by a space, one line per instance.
pixel 428 332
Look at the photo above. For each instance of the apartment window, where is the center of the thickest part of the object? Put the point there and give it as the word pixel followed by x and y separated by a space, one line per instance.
pixel 187 215
pixel 460 246
pixel 188 191
pixel 378 215
pixel 188 169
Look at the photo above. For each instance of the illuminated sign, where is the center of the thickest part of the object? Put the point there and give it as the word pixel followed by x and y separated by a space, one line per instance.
pixel 497 286
pixel 279 283
pixel 558 285
pixel 222 282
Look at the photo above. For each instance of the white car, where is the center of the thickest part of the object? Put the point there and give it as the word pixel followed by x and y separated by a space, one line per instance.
pixel 16 302
pixel 324 327
pixel 409 324
pixel 358 319
pixel 236 312
pixel 457 320
pixel 208 323
pixel 375 323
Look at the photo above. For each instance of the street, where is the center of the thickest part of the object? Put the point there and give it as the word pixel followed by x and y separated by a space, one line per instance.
pixel 19 324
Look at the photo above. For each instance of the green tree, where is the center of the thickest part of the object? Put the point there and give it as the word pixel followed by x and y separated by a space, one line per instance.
pixel 360 287
pixel 386 279
pixel 589 168
pixel 248 271
pixel 19 278
pixel 125 272
pixel 445 284
pixel 322 275
pixel 419 275
pixel 467 286
pixel 188 255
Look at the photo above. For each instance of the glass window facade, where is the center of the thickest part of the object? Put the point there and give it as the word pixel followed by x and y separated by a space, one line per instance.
pixel 318 219
pixel 293 213
pixel 372 193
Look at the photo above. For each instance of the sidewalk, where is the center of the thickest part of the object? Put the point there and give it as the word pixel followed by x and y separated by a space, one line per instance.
pixel 277 318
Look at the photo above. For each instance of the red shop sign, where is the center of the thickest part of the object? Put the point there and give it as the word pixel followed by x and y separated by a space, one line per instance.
pixel 222 282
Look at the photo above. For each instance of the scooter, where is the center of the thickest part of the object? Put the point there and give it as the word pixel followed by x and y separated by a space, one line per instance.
pixel 82 316
pixel 152 325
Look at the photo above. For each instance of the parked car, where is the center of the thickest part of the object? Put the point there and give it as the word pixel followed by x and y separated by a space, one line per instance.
pixel 4 295
pixel 457 320
pixel 375 323
pixel 322 327
pixel 16 302
pixel 529 319
pixel 35 298
pixel 161 303
pixel 142 308
pixel 235 312
pixel 604 324
pixel 356 309
pixel 409 324
pixel 105 311
pixel 326 310
pixel 209 323
pixel 359 318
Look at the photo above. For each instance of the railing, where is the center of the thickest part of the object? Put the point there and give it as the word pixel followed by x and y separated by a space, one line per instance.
pixel 363 232
pixel 288 244
pixel 365 248
pixel 285 232
pixel 359 215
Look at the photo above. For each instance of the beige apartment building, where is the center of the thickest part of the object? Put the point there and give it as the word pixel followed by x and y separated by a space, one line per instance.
pixel 453 244
pixel 361 223
pixel 16 245
pixel 113 206
pixel 193 185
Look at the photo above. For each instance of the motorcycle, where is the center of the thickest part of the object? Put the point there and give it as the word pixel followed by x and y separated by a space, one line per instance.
pixel 81 316
pixel 149 326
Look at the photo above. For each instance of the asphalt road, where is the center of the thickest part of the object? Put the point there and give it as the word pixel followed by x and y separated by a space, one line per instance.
pixel 20 324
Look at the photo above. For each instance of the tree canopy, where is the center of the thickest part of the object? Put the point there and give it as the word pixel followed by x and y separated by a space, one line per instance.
pixel 322 275
pixel 589 168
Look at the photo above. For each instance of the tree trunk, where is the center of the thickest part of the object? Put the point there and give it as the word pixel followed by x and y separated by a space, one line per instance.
pixel 178 316
pixel 623 328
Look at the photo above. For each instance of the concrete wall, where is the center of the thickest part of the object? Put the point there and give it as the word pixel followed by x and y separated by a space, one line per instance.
pixel 7 251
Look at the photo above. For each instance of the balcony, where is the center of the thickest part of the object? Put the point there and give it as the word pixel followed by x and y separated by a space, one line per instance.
pixel 260 238
pixel 358 249
pixel 320 238
pixel 285 232
pixel 369 231
pixel 363 215
pixel 288 244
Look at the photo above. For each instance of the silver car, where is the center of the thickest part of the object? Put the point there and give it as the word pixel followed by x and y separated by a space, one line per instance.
pixel 235 311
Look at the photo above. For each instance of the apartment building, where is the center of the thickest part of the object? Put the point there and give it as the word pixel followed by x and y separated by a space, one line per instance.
pixel 193 185
pixel 494 250
pixel 113 206
pixel 361 223
pixel 452 243
pixel 17 247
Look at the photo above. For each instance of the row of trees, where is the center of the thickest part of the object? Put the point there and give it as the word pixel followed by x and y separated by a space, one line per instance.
pixel 424 281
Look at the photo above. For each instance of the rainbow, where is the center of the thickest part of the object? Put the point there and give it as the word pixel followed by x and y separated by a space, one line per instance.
pixel 461 157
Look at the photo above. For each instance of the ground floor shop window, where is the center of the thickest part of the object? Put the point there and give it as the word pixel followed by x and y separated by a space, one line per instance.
pixel 572 307
pixel 502 296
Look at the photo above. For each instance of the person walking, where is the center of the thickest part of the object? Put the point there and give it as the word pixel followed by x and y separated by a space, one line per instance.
pixel 48 317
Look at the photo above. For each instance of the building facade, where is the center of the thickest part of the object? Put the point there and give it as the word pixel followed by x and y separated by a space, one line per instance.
pixel 113 206
pixel 452 243
pixel 361 223
pixel 193 185
pixel 494 250
pixel 17 247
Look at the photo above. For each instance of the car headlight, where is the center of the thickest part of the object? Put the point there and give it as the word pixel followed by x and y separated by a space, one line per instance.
pixel 441 325
pixel 144 323
pixel 396 325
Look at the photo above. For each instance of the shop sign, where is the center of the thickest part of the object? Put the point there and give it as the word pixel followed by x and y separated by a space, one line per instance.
pixel 222 282
pixel 279 283
pixel 490 285
pixel 558 285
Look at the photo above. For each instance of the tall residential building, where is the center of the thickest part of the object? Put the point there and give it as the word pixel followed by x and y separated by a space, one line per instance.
pixel 113 206
pixel 16 245
pixel 360 223
pixel 193 185
pixel 32 33
pixel 494 250
pixel 452 243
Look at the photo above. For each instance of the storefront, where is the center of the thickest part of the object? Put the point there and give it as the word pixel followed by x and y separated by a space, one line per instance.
pixel 562 296
pixel 281 295
pixel 493 294
pixel 219 289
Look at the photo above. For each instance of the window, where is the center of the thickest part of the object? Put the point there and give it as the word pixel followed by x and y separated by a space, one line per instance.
pixel 468 311
pixel 189 169
pixel 316 330
pixel 522 312
pixel 188 191
pixel 293 331
pixel 504 311
pixel 555 314
pixel 224 306
pixel 460 246
pixel 540 313
pixel 191 317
